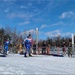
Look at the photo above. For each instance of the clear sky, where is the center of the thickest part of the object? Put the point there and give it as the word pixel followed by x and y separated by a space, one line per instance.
pixel 51 17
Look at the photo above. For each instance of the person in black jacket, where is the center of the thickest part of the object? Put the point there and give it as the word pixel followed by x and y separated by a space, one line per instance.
pixel 34 48
pixel 44 48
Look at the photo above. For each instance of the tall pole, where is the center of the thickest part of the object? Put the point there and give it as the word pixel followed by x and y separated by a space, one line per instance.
pixel 73 43
pixel 36 39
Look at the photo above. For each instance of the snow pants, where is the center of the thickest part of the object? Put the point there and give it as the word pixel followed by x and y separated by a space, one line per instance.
pixel 27 49
pixel 5 49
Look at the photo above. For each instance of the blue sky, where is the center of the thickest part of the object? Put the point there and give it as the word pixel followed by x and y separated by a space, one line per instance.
pixel 51 17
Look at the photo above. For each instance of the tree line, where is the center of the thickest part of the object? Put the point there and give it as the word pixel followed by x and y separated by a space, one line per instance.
pixel 16 39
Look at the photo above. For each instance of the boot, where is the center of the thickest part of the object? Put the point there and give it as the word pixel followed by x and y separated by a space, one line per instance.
pixel 30 55
pixel 25 55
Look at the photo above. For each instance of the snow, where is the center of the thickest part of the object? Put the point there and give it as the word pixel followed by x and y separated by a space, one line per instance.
pixel 38 64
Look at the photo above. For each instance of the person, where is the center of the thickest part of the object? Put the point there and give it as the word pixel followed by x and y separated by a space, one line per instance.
pixel 34 48
pixel 70 51
pixel 64 50
pixel 48 49
pixel 20 49
pixel 27 43
pixel 6 46
pixel 44 48
pixel 0 48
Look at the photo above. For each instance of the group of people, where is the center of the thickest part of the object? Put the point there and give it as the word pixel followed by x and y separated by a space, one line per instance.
pixel 27 45
pixel 70 52
pixel 28 42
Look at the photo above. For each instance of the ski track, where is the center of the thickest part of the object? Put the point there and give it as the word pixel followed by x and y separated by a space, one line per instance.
pixel 38 64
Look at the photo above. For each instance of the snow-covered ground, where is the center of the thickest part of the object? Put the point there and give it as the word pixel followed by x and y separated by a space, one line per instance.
pixel 38 64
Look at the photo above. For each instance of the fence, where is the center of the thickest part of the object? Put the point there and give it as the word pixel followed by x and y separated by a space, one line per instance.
pixel 44 50
pixel 53 50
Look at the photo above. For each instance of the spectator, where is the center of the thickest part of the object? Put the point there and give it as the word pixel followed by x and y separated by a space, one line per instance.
pixel 34 48
pixel 70 51
pixel 64 50
pixel 44 48
pixel 0 48
pixel 48 49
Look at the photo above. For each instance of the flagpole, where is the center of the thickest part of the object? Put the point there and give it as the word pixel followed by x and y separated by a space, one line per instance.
pixel 36 39
pixel 73 43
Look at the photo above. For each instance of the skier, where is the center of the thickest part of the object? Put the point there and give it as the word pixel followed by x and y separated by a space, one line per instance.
pixel 6 46
pixel 27 43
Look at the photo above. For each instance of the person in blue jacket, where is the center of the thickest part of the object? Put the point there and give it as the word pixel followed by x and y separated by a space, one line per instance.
pixel 6 46
pixel 27 43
